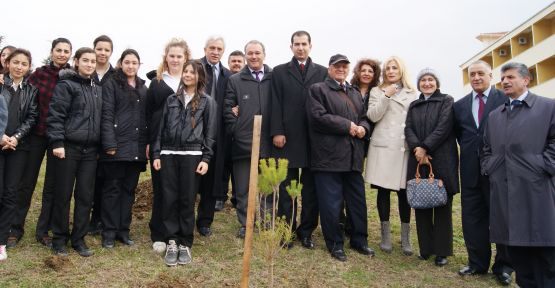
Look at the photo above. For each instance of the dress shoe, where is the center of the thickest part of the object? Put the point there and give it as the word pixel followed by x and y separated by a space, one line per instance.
pixel 12 242
pixel 469 270
pixel 423 257
pixel 286 244
pixel 364 250
pixel 307 243
pixel 441 261
pixel 83 250
pixel 205 231
pixel 339 254
pixel 125 240
pixel 108 243
pixel 219 205
pixel 59 251
pixel 242 232
pixel 45 240
pixel 503 278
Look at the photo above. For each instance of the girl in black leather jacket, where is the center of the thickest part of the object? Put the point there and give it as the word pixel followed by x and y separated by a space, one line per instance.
pixel 20 99
pixel 182 151
pixel 73 128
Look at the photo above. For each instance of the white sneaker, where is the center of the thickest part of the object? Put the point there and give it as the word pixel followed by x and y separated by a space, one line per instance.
pixel 3 253
pixel 159 247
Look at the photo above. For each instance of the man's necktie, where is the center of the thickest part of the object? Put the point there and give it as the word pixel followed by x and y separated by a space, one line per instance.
pixel 302 67
pixel 256 75
pixel 516 103
pixel 481 106
pixel 214 81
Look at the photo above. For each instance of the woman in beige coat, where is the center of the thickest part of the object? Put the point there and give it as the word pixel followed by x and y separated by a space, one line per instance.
pixel 386 165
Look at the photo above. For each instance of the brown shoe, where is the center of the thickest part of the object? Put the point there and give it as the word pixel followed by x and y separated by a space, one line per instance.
pixel 12 242
pixel 45 240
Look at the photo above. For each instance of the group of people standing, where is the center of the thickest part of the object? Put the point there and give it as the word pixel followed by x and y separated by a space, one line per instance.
pixel 194 123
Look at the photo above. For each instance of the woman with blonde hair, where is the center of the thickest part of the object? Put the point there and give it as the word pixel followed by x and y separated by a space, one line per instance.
pixel 166 82
pixel 386 165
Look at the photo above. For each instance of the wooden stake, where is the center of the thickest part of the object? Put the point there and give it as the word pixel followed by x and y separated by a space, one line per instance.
pixel 253 192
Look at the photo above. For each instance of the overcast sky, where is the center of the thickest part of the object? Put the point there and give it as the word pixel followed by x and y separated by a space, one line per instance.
pixel 426 33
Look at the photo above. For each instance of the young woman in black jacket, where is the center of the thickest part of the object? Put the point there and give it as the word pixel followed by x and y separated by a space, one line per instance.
pixel 165 83
pixel 124 137
pixel 182 151
pixel 20 98
pixel 73 128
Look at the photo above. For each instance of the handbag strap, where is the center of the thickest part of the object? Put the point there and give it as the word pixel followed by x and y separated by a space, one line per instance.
pixel 430 175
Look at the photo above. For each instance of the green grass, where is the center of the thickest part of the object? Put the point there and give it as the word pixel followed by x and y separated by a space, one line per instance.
pixel 217 260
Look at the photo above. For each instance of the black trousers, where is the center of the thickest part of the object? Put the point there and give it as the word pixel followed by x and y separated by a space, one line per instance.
pixel 207 203
pixel 534 266
pixel 475 204
pixel 118 196
pixel 180 184
pixel 155 224
pixel 333 188
pixel 96 212
pixel 77 169
pixel 12 165
pixel 309 212
pixel 37 148
pixel 384 204
pixel 434 228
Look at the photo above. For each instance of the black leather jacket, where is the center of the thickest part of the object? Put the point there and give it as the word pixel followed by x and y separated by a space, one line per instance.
pixel 75 111
pixel 28 110
pixel 177 132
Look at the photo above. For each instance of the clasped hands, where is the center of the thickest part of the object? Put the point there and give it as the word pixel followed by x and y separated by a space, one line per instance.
pixel 357 131
pixel 421 156
pixel 8 143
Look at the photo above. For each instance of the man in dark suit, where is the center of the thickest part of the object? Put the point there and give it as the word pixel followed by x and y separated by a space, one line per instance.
pixel 471 113
pixel 519 157
pixel 289 132
pixel 214 184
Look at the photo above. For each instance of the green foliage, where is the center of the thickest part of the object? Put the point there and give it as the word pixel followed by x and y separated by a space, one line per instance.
pixel 271 175
pixel 294 189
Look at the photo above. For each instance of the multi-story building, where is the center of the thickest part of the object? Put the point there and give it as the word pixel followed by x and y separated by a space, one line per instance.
pixel 531 43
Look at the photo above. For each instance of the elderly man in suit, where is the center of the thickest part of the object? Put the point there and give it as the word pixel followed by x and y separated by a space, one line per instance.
pixel 519 157
pixel 471 114
pixel 214 184
pixel 288 128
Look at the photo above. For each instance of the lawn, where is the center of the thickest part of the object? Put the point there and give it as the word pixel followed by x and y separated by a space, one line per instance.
pixel 217 260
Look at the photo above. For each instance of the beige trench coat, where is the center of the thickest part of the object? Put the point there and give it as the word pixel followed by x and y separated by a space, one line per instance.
pixel 388 153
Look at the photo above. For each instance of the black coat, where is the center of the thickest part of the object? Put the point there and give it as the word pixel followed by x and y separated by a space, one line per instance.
pixel 330 115
pixel 156 96
pixel 519 157
pixel 288 114
pixel 75 111
pixel 253 98
pixel 430 125
pixel 223 140
pixel 124 119
pixel 470 137
pixel 28 107
pixel 181 130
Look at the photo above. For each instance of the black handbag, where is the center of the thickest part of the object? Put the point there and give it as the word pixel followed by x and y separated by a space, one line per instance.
pixel 426 193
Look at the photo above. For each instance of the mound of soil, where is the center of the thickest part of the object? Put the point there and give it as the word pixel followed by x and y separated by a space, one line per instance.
pixel 143 200
pixel 57 263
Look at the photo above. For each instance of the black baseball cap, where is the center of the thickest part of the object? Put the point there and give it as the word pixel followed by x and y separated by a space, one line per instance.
pixel 338 58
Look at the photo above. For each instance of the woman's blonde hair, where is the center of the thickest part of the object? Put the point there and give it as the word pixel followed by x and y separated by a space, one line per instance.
pixel 174 42
pixel 402 70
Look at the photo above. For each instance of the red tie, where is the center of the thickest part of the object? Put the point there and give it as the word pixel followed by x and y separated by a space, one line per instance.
pixel 302 67
pixel 481 106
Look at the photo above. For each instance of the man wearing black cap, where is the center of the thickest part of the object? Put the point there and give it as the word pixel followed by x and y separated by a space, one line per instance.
pixel 337 126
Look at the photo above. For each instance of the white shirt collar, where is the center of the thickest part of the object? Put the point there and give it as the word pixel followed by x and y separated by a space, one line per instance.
pixel 485 93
